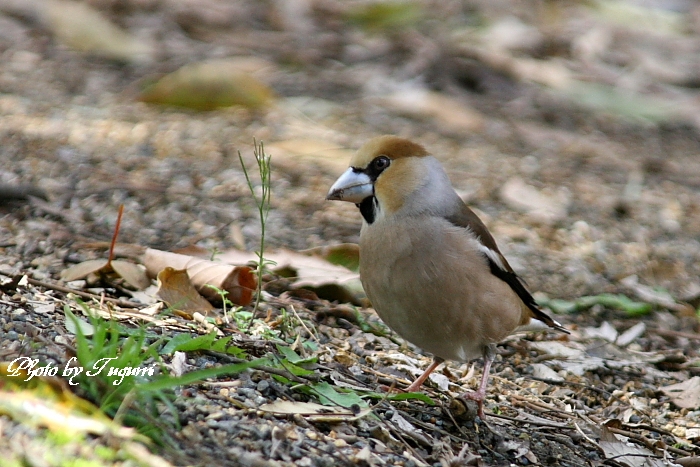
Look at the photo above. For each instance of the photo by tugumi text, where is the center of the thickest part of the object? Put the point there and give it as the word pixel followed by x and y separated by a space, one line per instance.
pixel 27 368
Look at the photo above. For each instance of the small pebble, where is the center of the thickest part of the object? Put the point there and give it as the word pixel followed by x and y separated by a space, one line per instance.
pixel 247 392
pixel 260 400
pixel 263 385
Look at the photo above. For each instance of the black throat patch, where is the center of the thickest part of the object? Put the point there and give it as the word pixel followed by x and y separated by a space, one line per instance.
pixel 368 209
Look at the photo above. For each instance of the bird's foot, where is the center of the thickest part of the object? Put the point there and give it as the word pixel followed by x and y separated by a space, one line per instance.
pixel 478 397
pixel 415 386
pixel 393 388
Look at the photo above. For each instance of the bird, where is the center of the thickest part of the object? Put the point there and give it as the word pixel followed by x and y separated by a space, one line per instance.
pixel 429 266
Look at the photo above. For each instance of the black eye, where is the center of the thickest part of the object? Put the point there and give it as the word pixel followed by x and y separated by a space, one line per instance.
pixel 380 163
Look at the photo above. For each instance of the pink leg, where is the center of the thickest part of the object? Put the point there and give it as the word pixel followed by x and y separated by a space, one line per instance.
pixel 480 394
pixel 415 386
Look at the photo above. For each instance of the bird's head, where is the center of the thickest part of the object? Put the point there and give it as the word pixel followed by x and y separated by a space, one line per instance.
pixel 389 175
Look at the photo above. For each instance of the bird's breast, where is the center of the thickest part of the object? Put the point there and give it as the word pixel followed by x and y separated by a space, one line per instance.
pixel 429 283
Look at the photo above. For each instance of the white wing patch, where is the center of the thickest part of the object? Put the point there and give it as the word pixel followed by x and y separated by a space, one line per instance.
pixel 535 325
pixel 493 256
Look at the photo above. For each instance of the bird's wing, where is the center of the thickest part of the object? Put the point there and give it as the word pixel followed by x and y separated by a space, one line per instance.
pixel 465 218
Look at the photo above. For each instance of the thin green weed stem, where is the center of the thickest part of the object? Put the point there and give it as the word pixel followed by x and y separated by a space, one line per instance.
pixel 263 204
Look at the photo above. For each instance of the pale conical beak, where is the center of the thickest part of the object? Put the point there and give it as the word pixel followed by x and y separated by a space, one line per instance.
pixel 352 186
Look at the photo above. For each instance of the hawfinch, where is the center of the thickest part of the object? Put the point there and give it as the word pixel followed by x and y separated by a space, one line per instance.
pixel 428 264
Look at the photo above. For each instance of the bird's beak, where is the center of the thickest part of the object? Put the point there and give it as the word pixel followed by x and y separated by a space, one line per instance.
pixel 352 186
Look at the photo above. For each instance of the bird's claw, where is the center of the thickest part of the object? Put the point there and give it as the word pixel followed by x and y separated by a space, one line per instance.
pixel 478 397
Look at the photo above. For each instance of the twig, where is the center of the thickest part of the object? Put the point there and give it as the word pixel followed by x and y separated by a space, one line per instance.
pixel 553 382
pixel 529 422
pixel 646 441
pixel 561 439
pixel 430 427
pixel 542 407
pixel 454 422
pixel 303 324
pixel 410 448
pixel 649 428
pixel 629 454
pixel 115 235
pixel 586 437
pixel 60 288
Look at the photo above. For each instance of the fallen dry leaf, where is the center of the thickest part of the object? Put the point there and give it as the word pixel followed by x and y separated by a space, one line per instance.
pixel 81 27
pixel 450 115
pixel 625 453
pixel 544 207
pixel 542 371
pixel 686 394
pixel 632 334
pixel 133 274
pixel 238 281
pixel 550 73
pixel 327 280
pixel 84 269
pixel 657 297
pixel 313 412
pixel 606 331
pixel 175 289
pixel 688 461
pixel 48 402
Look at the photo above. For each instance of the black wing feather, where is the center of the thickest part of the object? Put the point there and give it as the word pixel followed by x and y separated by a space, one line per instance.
pixel 466 218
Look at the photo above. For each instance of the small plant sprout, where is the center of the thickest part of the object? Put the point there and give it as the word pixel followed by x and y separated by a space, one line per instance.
pixel 225 302
pixel 214 253
pixel 263 204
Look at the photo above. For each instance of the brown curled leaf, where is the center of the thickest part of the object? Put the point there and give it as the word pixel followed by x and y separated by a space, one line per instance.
pixel 238 281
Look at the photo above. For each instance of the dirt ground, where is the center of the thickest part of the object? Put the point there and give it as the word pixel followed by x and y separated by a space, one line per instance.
pixel 572 129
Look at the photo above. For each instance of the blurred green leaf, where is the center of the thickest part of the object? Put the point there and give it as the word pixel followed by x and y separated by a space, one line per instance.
pixel 615 301
pixel 343 254
pixel 328 395
pixel 184 342
pixel 650 18
pixel 174 342
pixel 199 375
pixel 386 16
pixel 411 396
pixel 402 396
pixel 294 357
pixel 296 370
pixel 619 101
pixel 207 86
